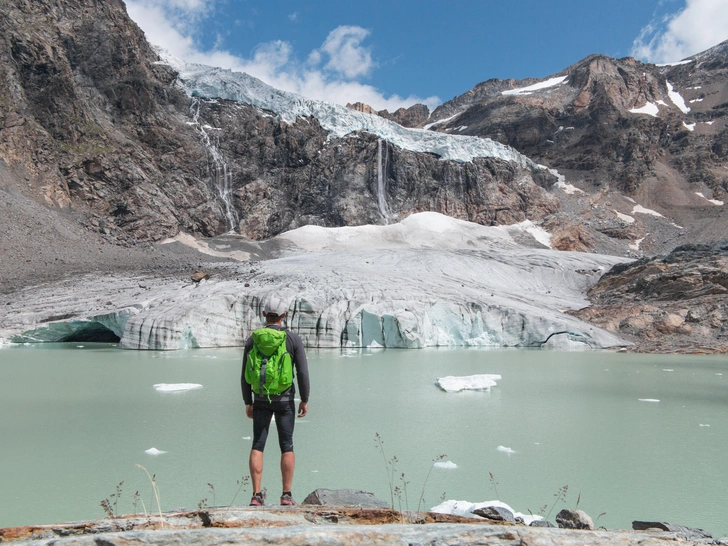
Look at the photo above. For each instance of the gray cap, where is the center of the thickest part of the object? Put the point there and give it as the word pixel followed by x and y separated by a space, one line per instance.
pixel 275 306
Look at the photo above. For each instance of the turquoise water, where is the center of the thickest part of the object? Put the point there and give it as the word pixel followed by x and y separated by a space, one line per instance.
pixel 75 419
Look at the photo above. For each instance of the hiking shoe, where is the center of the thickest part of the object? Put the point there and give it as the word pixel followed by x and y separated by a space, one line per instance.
pixel 287 500
pixel 257 500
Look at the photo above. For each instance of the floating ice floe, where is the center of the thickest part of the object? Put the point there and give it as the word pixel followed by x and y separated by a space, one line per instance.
pixel 504 449
pixel 465 509
pixel 481 382
pixel 154 451
pixel 176 387
pixel 448 465
pixel 648 399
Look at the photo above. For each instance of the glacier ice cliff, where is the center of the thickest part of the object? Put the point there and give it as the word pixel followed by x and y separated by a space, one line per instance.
pixel 209 82
pixel 427 281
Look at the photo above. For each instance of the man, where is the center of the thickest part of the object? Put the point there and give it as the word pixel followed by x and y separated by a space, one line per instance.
pixel 262 408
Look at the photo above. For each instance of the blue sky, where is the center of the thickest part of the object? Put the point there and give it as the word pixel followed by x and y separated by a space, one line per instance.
pixel 395 53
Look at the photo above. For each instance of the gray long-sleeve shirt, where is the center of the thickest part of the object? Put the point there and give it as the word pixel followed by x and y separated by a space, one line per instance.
pixel 294 346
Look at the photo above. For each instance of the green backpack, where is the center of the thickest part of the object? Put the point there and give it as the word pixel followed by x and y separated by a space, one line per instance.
pixel 269 368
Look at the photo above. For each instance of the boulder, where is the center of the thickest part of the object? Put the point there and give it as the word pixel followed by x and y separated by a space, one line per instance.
pixel 682 531
pixel 574 519
pixel 198 276
pixel 496 513
pixel 344 497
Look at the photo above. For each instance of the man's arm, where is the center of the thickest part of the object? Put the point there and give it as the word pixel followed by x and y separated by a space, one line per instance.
pixel 301 363
pixel 245 386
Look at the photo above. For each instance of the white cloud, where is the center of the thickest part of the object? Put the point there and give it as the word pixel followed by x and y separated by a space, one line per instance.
pixel 700 25
pixel 330 72
pixel 346 54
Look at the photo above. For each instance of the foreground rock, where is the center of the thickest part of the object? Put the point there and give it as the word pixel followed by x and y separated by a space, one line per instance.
pixel 574 519
pixel 429 281
pixel 672 303
pixel 320 526
pixel 344 497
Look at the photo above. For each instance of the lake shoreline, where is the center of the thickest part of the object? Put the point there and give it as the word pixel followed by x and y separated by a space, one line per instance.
pixel 323 525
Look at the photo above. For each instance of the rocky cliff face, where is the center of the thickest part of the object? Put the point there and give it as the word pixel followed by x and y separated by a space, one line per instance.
pixel 615 128
pixel 683 295
pixel 93 125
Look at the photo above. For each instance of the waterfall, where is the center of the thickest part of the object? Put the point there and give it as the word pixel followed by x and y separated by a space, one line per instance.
pixel 221 176
pixel 381 190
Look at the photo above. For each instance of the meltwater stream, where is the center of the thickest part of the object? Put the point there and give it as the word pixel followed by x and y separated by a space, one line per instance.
pixel 75 419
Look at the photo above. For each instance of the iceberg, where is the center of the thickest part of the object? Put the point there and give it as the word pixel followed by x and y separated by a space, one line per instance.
pixel 481 382
pixel 176 387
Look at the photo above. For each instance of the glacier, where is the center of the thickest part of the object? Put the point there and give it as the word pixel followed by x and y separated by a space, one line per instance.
pixel 209 82
pixel 427 281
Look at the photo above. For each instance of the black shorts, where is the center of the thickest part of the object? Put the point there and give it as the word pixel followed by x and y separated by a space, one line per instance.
pixel 285 413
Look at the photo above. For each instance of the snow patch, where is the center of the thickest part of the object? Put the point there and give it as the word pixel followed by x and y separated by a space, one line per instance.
pixel 677 98
pixel 714 201
pixel 636 245
pixel 711 122
pixel 439 121
pixel 551 82
pixel 537 232
pixel 639 209
pixel 624 217
pixel 481 382
pixel 465 509
pixel 689 126
pixel 176 387
pixel 447 465
pixel 650 109
pixel 695 100
pixel 678 63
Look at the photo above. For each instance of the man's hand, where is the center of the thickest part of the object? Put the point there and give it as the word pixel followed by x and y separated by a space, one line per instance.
pixel 249 411
pixel 302 409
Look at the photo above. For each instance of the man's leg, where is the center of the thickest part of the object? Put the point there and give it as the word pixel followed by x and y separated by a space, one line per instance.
pixel 261 422
pixel 288 463
pixel 285 421
pixel 255 464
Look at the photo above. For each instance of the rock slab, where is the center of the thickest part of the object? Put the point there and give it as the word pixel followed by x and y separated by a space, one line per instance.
pixel 344 497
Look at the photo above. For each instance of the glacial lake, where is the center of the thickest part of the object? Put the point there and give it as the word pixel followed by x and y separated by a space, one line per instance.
pixel 76 418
